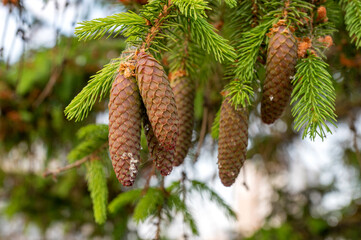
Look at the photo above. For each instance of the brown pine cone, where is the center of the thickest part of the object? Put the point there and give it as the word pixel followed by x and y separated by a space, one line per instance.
pixel 163 159
pixel 232 141
pixel 125 128
pixel 184 92
pixel 280 67
pixel 158 99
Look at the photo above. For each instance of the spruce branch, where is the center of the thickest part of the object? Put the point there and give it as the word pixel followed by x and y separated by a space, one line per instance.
pixel 98 131
pixel 122 23
pixel 293 12
pixel 206 35
pixel 231 3
pixel 313 98
pixel 239 92
pixel 154 30
pixel 98 87
pixel 192 8
pixel 185 55
pixel 202 32
pixel 124 199
pixel 334 12
pixel 353 20
pixel 149 204
pixel 97 185
pixel 193 19
pixel 242 71
pixel 94 141
pixel 239 20
pixel 76 164
pixel 248 49
pixel 137 29
pixel 87 148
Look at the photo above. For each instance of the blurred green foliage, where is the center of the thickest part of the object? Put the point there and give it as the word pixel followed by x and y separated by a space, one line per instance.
pixel 34 94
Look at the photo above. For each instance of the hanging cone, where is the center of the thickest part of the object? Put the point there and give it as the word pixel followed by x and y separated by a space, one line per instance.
pixel 280 67
pixel 184 92
pixel 163 159
pixel 158 99
pixel 232 141
pixel 125 128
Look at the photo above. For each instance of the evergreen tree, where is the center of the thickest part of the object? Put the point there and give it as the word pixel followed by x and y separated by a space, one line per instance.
pixel 249 52
pixel 287 38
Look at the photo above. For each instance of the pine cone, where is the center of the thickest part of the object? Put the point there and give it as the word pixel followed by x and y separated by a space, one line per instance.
pixel 125 128
pixel 184 91
pixel 158 99
pixel 163 159
pixel 232 141
pixel 280 67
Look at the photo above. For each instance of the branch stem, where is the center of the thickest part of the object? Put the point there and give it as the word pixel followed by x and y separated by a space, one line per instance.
pixel 67 167
pixel 154 30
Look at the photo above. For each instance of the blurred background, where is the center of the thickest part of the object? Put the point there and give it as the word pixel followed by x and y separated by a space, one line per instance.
pixel 289 188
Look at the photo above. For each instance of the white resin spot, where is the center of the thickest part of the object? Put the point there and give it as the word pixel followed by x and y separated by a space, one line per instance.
pixel 132 164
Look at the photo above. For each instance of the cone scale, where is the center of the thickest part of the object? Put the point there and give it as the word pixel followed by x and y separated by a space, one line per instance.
pixel 158 99
pixel 280 67
pixel 184 92
pixel 163 159
pixel 232 142
pixel 125 128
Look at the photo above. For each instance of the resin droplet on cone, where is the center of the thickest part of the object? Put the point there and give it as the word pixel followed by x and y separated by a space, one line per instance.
pixel 158 99
pixel 183 89
pixel 232 141
pixel 125 128
pixel 280 67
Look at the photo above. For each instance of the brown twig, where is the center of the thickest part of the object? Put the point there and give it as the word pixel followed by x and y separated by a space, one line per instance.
pixel 65 168
pixel 157 234
pixel 157 24
pixel 21 64
pixel 146 186
pixel 6 24
pixel 254 13
pixel 244 178
pixel 355 145
pixel 77 163
pixel 184 193
pixel 202 134
pixel 50 85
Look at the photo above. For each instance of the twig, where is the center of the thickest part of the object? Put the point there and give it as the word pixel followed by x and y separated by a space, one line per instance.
pixel 146 186
pixel 311 20
pixel 244 178
pixel 157 234
pixel 50 85
pixel 202 134
pixel 355 145
pixel 10 52
pixel 6 24
pixel 22 59
pixel 254 13
pixel 65 168
pixel 184 178
pixel 157 24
